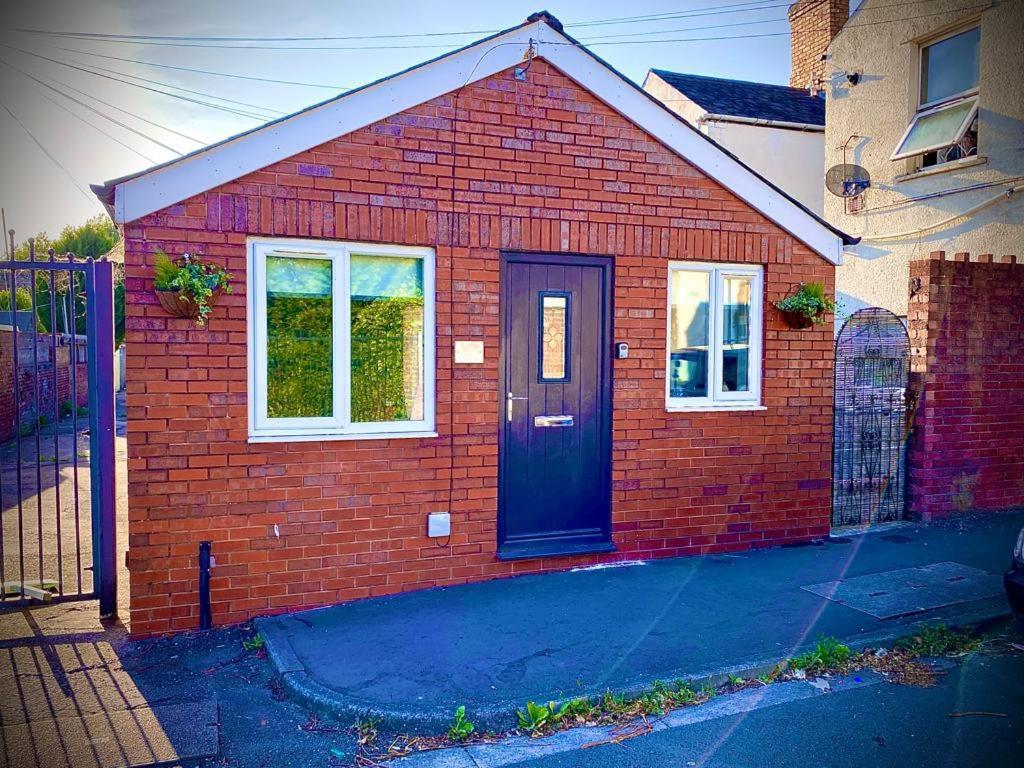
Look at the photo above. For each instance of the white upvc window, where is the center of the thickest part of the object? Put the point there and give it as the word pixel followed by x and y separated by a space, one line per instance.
pixel 341 340
pixel 713 360
pixel 945 125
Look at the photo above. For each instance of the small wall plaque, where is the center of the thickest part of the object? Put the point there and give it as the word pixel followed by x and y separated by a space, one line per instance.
pixel 469 352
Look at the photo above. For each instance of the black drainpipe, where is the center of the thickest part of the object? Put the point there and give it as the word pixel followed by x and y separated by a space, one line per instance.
pixel 205 617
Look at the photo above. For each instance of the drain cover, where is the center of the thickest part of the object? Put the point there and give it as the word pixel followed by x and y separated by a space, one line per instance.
pixel 889 594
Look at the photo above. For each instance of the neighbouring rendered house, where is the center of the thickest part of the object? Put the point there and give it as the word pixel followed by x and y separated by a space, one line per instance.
pixel 778 130
pixel 924 143
pixel 929 101
pixel 500 313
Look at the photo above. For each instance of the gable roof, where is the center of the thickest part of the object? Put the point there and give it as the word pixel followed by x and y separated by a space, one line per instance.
pixel 741 98
pixel 132 197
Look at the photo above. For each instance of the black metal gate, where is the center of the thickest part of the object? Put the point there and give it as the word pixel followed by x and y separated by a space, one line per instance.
pixel 868 459
pixel 57 460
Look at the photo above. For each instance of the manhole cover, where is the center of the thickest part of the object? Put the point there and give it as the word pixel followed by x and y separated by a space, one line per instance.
pixel 905 591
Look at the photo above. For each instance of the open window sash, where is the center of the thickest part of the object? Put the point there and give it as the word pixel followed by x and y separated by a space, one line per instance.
pixel 936 128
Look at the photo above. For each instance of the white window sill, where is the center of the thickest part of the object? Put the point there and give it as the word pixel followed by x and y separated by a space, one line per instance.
pixel 715 407
pixel 952 165
pixel 331 436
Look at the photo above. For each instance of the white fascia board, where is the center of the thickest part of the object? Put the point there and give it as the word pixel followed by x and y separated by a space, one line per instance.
pixel 164 186
pixel 647 113
pixel 250 152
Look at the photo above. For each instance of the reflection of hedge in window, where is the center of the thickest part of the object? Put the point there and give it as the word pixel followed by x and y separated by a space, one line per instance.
pixel 299 338
pixel 387 339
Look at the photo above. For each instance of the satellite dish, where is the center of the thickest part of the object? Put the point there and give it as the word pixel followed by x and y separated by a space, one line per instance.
pixel 847 180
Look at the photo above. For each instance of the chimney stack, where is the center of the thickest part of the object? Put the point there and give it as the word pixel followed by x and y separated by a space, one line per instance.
pixel 812 25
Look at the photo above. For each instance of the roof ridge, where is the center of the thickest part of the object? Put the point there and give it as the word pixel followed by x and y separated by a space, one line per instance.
pixel 730 80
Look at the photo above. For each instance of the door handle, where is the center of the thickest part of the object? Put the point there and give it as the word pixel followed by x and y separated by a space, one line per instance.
pixel 552 421
pixel 509 400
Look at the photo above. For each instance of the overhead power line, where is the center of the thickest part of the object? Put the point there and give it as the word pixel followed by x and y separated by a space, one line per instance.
pixel 117 37
pixel 186 90
pixel 124 111
pixel 89 107
pixel 203 71
pixel 224 41
pixel 46 152
pixel 91 124
pixel 595 40
pixel 179 96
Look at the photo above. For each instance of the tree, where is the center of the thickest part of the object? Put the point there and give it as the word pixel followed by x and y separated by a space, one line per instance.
pixel 92 239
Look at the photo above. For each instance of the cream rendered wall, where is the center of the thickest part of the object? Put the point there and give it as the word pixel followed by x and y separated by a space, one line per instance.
pixel 879 108
pixel 791 159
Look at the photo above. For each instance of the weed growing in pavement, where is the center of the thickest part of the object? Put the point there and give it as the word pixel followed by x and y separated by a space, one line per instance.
pixel 938 640
pixel 367 731
pixel 611 709
pixel 254 643
pixel 898 665
pixel 461 727
pixel 829 654
pixel 536 718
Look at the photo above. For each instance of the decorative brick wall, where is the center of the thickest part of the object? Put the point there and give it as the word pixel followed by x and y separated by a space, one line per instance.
pixel 813 24
pixel 539 165
pixel 966 334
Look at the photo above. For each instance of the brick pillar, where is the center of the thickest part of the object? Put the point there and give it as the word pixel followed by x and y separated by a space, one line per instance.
pixel 966 449
pixel 812 25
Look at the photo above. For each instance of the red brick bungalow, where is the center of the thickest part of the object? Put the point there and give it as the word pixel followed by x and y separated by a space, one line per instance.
pixel 500 313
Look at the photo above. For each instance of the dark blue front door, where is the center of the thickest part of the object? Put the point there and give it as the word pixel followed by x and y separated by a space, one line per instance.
pixel 555 453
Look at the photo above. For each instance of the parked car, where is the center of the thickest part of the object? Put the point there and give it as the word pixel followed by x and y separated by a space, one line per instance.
pixel 1013 581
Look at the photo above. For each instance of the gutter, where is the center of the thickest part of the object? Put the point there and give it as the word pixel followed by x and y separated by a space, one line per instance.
pixel 785 124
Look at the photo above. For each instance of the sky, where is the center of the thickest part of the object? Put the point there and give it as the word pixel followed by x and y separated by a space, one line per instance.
pixel 52 145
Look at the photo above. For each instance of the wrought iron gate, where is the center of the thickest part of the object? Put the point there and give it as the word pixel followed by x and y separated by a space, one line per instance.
pixel 870 411
pixel 57 462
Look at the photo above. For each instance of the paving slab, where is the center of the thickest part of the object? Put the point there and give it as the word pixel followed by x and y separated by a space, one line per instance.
pixel 412 659
pixel 145 736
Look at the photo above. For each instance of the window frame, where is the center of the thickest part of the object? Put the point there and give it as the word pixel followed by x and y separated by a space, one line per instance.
pixel 566 346
pixel 922 46
pixel 964 126
pixel 716 399
pixel 339 426
pixel 926 109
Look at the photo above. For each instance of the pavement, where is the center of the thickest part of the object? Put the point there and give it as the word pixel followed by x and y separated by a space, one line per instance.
pixel 972 718
pixel 411 659
pixel 75 693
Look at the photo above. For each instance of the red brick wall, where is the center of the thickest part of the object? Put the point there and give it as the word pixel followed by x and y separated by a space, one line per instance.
pixel 540 165
pixel 28 382
pixel 966 335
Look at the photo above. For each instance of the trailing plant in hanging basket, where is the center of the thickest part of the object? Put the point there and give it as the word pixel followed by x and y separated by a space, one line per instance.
pixel 189 286
pixel 807 307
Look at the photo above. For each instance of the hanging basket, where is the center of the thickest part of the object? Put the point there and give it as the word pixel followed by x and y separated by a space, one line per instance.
pixel 796 319
pixel 175 305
